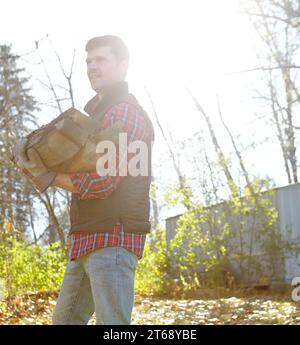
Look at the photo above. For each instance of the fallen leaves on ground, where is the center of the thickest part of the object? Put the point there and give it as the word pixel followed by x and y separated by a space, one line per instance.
pixel 232 310
pixel 37 308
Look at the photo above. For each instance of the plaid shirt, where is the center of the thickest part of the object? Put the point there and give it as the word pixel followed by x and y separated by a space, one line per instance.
pixel 92 186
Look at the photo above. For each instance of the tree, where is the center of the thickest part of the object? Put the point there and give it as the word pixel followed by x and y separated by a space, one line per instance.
pixel 16 114
pixel 184 187
pixel 277 25
pixel 61 96
pixel 220 154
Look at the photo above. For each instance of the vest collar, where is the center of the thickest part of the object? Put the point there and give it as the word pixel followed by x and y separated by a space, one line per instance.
pixel 110 94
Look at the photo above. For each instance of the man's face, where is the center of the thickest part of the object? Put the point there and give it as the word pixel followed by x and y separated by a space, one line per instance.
pixel 103 68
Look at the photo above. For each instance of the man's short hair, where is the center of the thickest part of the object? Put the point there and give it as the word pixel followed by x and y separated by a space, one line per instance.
pixel 118 47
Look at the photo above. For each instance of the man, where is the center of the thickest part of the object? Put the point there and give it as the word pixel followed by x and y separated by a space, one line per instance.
pixel 109 214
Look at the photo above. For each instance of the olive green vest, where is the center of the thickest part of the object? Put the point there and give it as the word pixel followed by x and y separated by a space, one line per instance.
pixel 129 204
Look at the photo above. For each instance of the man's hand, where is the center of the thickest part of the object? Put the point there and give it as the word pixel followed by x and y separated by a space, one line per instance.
pixel 64 181
pixel 31 165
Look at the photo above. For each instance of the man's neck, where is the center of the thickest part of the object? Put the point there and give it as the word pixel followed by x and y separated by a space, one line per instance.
pixel 106 94
pixel 111 88
pixel 100 96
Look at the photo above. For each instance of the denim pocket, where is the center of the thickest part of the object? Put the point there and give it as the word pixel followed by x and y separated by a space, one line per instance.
pixel 126 258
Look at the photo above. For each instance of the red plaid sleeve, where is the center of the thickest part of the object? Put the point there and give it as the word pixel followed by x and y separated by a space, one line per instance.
pixel 93 186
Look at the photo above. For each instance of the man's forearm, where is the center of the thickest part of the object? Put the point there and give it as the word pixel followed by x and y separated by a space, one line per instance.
pixel 64 181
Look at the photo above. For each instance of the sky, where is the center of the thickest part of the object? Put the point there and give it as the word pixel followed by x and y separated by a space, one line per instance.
pixel 174 45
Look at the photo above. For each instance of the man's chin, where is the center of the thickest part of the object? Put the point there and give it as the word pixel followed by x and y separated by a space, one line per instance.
pixel 97 86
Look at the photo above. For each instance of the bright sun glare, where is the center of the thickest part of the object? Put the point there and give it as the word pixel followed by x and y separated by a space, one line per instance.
pixel 173 45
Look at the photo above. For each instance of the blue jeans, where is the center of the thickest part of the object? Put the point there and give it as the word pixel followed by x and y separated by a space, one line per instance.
pixel 102 281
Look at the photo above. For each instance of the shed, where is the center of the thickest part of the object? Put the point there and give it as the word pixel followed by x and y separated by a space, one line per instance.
pixel 286 200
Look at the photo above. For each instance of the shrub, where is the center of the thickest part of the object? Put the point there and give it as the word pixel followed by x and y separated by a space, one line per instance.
pixel 25 267
pixel 153 272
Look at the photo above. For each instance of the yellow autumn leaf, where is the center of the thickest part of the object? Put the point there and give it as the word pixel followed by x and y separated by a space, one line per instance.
pixel 9 226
